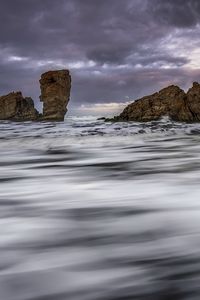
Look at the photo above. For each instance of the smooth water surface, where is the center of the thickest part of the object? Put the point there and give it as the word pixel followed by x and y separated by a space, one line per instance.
pixel 99 211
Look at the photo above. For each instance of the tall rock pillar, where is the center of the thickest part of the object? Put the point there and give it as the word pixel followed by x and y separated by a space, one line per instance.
pixel 55 94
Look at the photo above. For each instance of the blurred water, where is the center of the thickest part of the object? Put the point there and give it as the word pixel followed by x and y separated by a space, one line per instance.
pixel 100 211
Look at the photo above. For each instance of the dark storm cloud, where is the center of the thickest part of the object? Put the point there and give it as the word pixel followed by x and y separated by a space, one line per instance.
pixel 178 13
pixel 115 49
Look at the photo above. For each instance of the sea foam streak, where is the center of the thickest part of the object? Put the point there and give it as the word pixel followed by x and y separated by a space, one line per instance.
pixel 94 210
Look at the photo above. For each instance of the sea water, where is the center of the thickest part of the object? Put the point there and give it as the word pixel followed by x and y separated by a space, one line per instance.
pixel 99 211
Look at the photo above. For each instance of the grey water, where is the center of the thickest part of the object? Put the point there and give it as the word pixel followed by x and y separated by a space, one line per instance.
pixel 99 211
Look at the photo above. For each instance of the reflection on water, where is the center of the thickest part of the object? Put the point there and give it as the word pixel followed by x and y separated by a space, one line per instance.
pixel 99 211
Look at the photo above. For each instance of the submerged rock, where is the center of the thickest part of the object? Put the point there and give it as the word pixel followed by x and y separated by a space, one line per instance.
pixel 55 94
pixel 17 108
pixel 171 101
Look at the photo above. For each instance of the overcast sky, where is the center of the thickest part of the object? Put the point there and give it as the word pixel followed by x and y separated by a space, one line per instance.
pixel 116 50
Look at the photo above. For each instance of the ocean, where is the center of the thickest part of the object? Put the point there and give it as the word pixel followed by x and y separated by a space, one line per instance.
pixel 99 211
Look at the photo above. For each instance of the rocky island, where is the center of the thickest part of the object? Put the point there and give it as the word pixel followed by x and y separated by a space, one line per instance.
pixel 55 87
pixel 171 101
pixel 55 94
pixel 17 108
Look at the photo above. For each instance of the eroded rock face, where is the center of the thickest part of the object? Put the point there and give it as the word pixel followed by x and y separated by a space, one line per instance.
pixel 193 101
pixel 55 94
pixel 171 101
pixel 17 108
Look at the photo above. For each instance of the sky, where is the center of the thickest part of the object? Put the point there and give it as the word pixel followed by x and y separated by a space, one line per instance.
pixel 116 50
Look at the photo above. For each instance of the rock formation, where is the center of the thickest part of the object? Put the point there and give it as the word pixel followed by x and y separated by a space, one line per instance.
pixel 193 101
pixel 17 108
pixel 171 101
pixel 55 92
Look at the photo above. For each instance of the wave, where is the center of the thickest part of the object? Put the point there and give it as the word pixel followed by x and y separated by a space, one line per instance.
pixel 95 210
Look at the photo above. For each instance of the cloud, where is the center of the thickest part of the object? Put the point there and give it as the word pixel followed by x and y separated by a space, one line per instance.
pixel 104 109
pixel 177 13
pixel 113 48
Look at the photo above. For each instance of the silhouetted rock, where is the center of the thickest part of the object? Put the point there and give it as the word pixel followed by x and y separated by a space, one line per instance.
pixel 17 108
pixel 55 94
pixel 171 101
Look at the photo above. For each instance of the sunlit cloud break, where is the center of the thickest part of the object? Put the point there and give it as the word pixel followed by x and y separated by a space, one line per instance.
pixel 103 108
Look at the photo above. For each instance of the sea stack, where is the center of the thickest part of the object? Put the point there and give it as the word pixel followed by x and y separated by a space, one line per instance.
pixel 193 100
pixel 55 94
pixel 15 107
pixel 170 101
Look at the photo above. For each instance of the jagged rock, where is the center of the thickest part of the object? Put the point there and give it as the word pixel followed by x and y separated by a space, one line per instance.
pixel 17 108
pixel 55 94
pixel 193 101
pixel 171 101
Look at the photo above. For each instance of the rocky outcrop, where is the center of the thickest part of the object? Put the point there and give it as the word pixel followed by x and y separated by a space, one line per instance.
pixel 17 108
pixel 55 93
pixel 193 101
pixel 171 101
